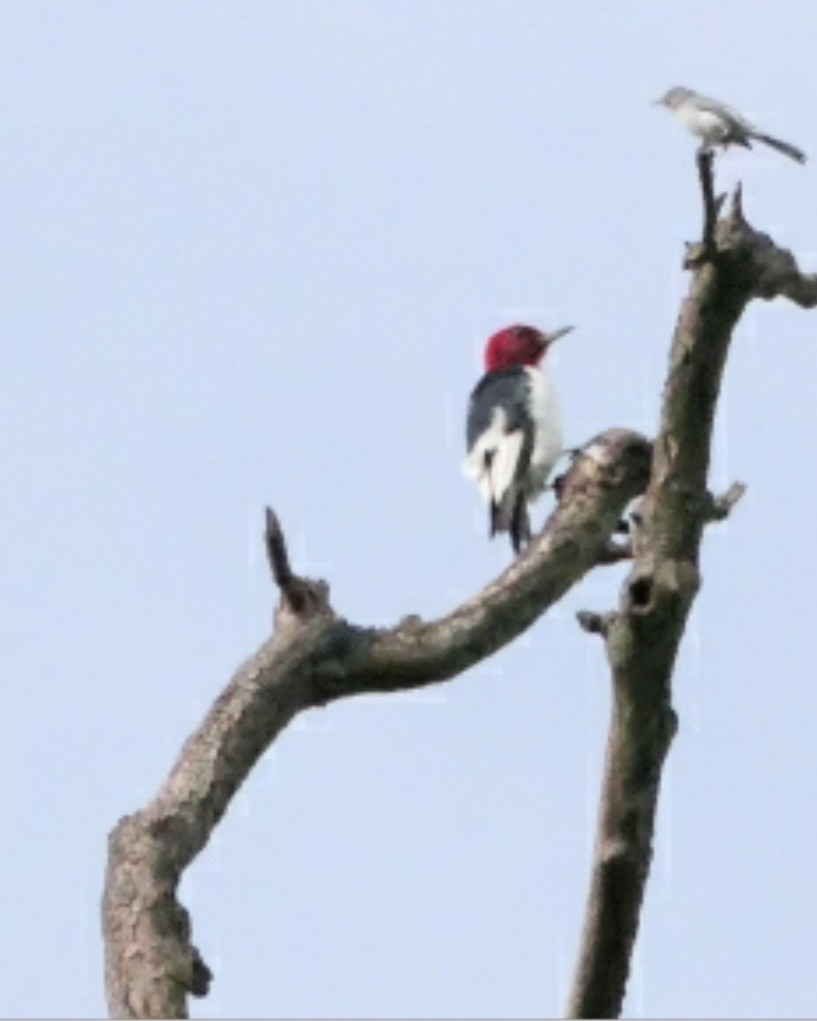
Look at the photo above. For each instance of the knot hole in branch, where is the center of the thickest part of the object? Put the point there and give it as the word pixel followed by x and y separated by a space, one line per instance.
pixel 641 593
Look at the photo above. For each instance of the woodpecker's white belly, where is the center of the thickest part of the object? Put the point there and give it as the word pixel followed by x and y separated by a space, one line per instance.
pixel 547 446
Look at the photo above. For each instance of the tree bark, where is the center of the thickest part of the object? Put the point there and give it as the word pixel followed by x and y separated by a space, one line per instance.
pixel 315 657
pixel 733 265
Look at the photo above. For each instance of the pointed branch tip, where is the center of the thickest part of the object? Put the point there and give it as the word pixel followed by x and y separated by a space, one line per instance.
pixel 276 547
pixel 300 597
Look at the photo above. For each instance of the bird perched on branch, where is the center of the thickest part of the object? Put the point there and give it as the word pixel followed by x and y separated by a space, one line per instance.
pixel 718 125
pixel 514 432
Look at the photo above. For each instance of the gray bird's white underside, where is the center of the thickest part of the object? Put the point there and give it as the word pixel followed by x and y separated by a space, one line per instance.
pixel 712 121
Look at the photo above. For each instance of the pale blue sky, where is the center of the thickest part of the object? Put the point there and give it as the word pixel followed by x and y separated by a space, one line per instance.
pixel 250 252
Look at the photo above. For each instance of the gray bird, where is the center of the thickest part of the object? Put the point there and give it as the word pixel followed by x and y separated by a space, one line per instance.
pixel 718 124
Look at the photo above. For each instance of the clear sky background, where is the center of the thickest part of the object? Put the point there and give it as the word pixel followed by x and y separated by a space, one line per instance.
pixel 250 254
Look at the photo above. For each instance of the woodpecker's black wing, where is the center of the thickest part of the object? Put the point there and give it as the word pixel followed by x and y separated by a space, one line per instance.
pixel 500 436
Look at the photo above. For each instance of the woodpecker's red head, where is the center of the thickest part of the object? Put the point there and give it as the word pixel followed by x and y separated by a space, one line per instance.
pixel 519 345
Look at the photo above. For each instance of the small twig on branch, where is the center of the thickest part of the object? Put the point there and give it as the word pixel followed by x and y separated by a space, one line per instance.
pixel 720 507
pixel 299 596
pixel 737 206
pixel 595 623
pixel 276 547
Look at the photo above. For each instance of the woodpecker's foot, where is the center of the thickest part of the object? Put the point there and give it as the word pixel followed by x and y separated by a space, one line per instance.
pixel 558 483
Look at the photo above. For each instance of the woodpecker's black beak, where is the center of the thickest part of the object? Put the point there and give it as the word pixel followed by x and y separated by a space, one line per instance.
pixel 557 334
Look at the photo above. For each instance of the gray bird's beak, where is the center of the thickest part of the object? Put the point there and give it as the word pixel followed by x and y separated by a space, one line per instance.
pixel 659 102
pixel 550 337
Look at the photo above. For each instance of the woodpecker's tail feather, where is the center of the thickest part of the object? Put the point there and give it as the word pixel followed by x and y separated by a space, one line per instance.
pixel 788 150
pixel 511 515
pixel 499 520
pixel 520 528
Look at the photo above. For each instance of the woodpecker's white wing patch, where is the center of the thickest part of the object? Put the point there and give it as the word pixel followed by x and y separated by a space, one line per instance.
pixel 493 460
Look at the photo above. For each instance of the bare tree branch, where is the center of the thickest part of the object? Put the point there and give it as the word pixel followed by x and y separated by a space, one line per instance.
pixel 642 638
pixel 315 657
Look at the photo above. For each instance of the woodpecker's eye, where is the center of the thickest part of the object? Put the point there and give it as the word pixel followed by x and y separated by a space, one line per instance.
pixel 527 337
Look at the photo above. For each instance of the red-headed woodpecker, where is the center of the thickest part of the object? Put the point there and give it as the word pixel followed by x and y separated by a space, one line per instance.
pixel 514 432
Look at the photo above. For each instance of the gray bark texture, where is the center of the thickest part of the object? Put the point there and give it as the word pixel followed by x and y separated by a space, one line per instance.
pixel 315 656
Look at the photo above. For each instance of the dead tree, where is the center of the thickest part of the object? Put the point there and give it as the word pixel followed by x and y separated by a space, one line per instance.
pixel 315 656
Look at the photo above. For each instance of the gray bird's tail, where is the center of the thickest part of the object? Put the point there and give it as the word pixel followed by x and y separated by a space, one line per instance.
pixel 511 515
pixel 788 150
